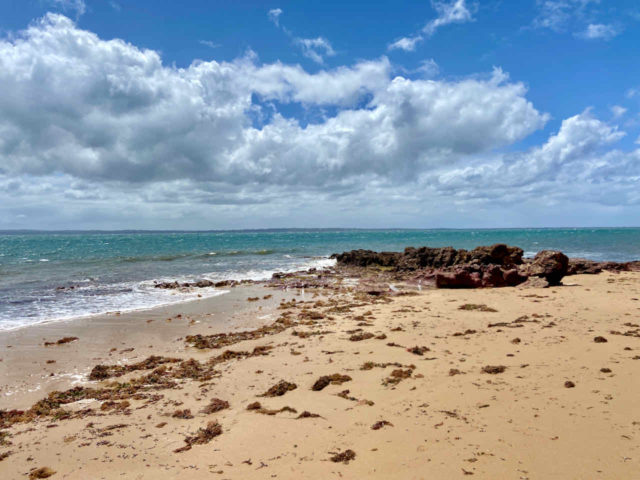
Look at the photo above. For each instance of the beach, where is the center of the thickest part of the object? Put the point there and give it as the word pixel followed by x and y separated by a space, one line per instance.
pixel 517 382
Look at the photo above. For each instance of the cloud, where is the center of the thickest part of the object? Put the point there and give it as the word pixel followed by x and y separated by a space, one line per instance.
pixel 563 15
pixel 274 15
pixel 573 164
pixel 599 31
pixel 107 111
pixel 429 68
pixel 618 111
pixel 453 11
pixel 105 134
pixel 408 44
pixel 77 6
pixel 115 5
pixel 208 43
pixel 315 48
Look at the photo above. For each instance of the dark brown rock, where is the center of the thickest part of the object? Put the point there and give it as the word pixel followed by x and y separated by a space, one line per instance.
pixel 551 265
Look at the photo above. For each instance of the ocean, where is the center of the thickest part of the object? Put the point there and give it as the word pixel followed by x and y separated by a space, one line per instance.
pixel 115 271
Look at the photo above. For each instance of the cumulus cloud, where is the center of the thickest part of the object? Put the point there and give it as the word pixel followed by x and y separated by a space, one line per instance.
pixel 599 31
pixel 453 11
pixel 105 110
pixel 572 164
pixel 102 126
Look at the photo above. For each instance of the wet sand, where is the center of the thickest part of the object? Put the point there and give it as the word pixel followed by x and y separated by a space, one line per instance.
pixel 118 338
pixel 488 383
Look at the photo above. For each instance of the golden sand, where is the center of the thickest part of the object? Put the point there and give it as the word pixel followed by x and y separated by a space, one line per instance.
pixel 443 387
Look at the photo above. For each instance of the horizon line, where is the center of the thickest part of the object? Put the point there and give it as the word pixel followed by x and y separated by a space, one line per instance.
pixel 293 229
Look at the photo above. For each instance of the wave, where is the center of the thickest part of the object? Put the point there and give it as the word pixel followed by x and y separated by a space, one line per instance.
pixel 207 255
pixel 92 299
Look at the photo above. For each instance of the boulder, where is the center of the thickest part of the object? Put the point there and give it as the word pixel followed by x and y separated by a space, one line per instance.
pixel 551 265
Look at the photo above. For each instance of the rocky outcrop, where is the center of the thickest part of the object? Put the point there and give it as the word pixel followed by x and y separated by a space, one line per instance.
pixel 478 276
pixel 198 284
pixel 497 265
pixel 426 257
pixel 581 266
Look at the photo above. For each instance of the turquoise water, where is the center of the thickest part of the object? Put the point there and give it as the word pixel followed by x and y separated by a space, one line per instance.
pixel 116 271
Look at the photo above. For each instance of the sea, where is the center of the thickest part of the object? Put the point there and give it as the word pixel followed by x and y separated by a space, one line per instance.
pixel 116 271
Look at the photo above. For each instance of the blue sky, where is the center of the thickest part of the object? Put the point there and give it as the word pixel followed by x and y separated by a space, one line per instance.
pixel 206 114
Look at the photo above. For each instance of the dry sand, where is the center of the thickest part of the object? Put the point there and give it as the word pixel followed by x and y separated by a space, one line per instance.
pixel 446 417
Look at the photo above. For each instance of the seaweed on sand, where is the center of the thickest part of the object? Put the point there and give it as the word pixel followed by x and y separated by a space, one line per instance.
pixel 202 436
pixel 335 379
pixel 279 389
pixel 344 457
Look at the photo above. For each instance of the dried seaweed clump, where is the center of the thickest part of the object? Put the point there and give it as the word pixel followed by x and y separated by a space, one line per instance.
pixel 335 379
pixel 344 457
pixel 307 414
pixel 279 389
pixel 418 350
pixel 202 436
pixel 42 472
pixel 220 340
pixel 372 365
pixel 476 307
pixel 183 414
pixel 397 376
pixel 215 405
pixel 102 372
pixel 258 408
pixel 357 337
pixel 493 369
pixel 62 341
pixel 380 424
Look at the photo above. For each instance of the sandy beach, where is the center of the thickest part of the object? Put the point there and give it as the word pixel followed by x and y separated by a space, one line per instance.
pixel 524 383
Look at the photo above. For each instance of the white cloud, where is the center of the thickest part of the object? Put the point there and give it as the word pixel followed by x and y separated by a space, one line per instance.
pixel 452 11
pixel 115 5
pixel 429 68
pixel 555 14
pixel 599 31
pixel 108 111
pixel 208 43
pixel 618 111
pixel 77 6
pixel 105 134
pixel 315 48
pixel 274 15
pixel 408 44
pixel 572 164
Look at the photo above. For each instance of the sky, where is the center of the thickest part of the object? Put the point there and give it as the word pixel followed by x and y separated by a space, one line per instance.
pixel 213 114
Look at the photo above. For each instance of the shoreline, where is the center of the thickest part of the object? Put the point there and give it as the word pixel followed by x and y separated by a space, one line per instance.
pixel 340 375
pixel 99 334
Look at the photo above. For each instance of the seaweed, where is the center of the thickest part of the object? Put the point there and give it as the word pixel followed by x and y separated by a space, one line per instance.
pixel 279 389
pixel 202 436
pixel 335 379
pixel 476 307
pixel 62 341
pixel 493 369
pixel 344 457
